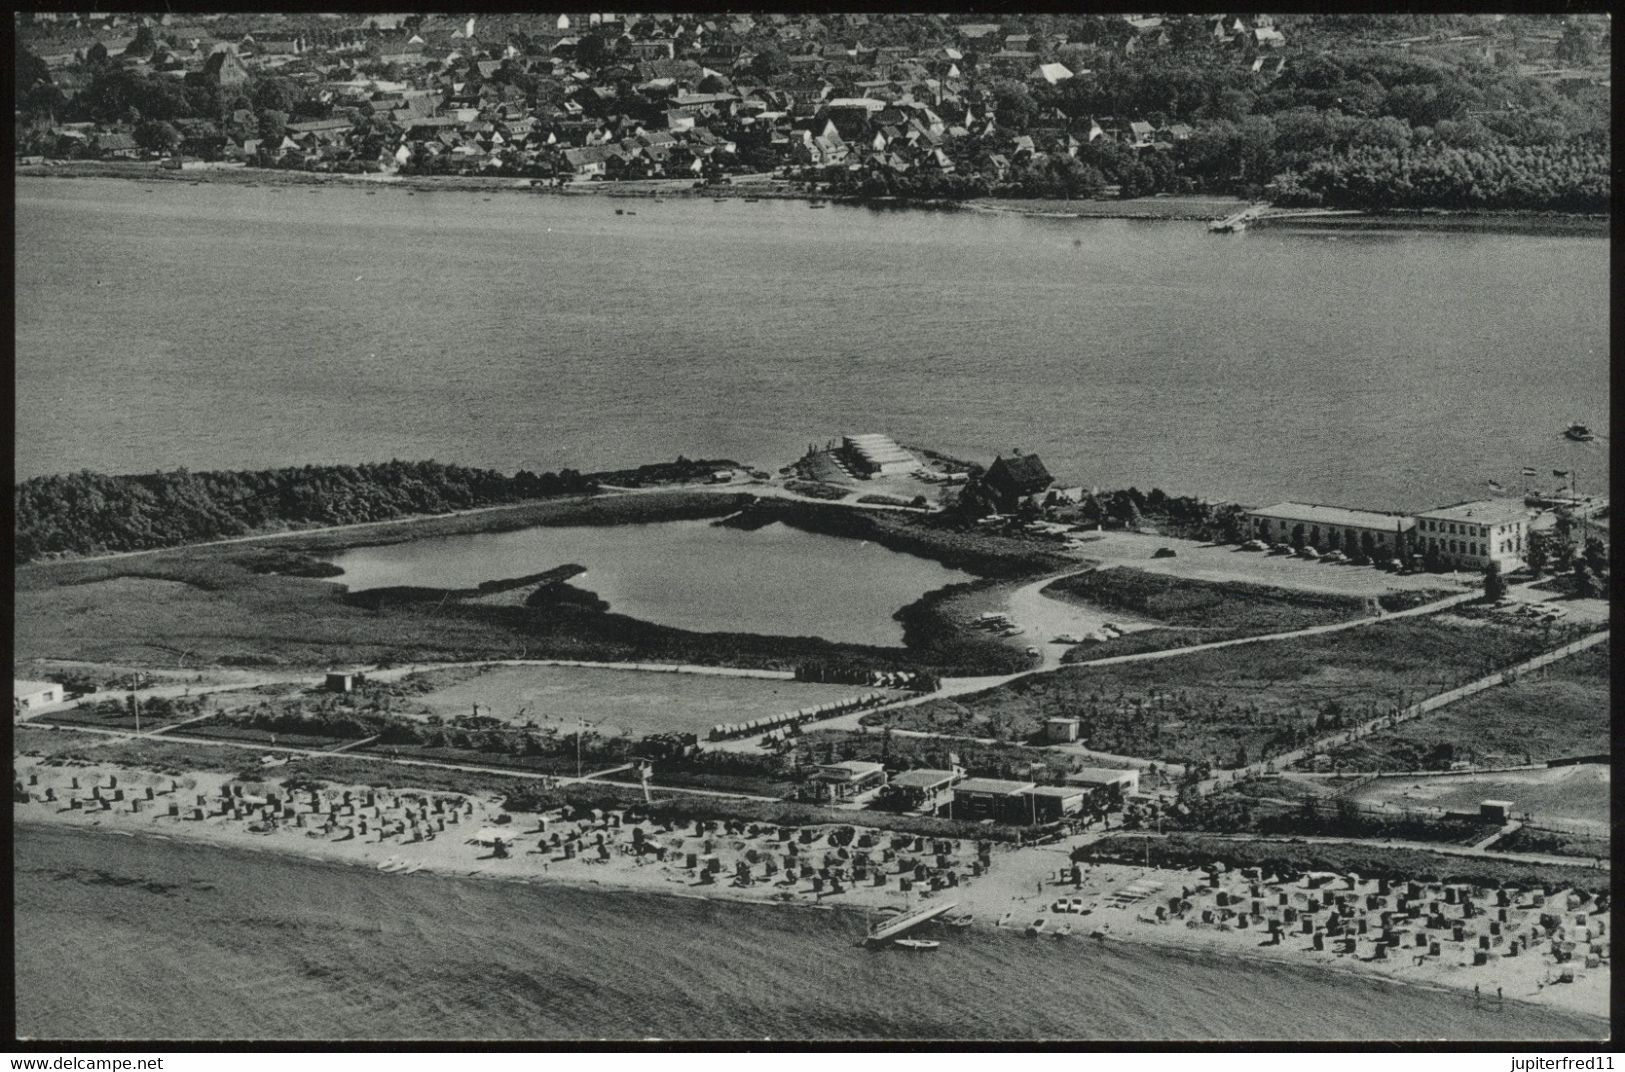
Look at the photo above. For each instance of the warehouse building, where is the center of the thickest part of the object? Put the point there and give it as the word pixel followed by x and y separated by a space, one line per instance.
pixel 992 798
pixel 877 455
pixel 1052 802
pixel 1102 780
pixel 1332 528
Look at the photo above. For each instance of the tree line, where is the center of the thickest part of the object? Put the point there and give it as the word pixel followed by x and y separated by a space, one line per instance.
pixel 93 513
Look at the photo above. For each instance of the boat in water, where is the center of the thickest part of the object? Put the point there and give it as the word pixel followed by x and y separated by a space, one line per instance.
pixel 1579 433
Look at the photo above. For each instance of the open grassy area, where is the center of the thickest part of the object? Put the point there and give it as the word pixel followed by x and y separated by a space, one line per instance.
pixel 1198 611
pixel 1277 805
pixel 616 701
pixel 1559 711
pixel 1570 795
pixel 1369 861
pixel 1237 703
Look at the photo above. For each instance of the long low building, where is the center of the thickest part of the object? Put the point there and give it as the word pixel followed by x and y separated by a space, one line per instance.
pixel 877 455
pixel 1328 528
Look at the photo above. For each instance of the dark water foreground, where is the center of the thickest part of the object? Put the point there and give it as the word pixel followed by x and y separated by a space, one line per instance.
pixel 138 937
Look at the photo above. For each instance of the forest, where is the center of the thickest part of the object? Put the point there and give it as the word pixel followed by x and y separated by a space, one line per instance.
pixel 92 513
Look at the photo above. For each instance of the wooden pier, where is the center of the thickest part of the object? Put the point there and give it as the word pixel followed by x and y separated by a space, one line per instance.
pixel 894 928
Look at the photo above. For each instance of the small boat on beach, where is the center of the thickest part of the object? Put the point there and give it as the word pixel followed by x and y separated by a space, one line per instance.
pixel 919 945
pixel 1579 433
pixel 1036 927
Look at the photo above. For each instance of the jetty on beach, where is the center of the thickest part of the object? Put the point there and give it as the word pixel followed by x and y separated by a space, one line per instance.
pixel 899 925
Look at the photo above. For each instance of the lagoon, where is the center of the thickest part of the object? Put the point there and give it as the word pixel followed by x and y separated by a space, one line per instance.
pixel 697 575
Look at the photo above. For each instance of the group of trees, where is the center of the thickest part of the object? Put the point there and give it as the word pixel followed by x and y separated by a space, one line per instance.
pixel 86 512
pixel 1569 177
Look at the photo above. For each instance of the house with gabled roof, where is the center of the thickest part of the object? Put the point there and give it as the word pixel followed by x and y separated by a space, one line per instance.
pixel 1016 477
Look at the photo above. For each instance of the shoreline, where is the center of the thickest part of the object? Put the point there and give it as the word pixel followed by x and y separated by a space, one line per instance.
pixel 1007 887
pixel 1146 209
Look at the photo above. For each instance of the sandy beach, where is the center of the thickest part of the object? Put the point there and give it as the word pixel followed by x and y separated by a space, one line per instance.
pixel 413 831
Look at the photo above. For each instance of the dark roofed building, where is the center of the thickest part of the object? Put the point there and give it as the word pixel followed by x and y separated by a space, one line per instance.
pixel 224 68
pixel 1016 477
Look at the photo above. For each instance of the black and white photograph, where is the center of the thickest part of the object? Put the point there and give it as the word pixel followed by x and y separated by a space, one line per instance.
pixel 808 529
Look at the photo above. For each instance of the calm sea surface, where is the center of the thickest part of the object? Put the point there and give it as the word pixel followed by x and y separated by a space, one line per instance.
pixel 227 326
pixel 775 580
pixel 139 938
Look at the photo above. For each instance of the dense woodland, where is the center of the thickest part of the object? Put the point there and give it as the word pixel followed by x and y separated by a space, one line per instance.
pixel 91 513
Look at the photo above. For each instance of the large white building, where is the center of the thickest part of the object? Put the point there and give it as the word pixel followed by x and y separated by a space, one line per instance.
pixel 1471 535
pixel 877 455
pixel 32 695
pixel 1327 528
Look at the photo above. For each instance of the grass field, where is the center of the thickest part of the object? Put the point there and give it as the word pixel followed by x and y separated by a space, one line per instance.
pixel 1573 794
pixel 629 701
pixel 1197 611
pixel 1562 710
pixel 1236 703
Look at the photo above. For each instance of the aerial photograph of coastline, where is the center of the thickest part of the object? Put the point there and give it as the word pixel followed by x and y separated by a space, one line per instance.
pixel 801 528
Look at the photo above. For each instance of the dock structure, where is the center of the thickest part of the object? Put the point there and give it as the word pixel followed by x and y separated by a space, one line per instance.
pixel 896 928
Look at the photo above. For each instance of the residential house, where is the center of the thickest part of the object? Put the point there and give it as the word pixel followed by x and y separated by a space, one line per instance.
pixel 1015 478
pixel 117 145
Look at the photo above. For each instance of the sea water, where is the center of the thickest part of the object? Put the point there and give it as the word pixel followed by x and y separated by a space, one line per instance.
pixel 226 326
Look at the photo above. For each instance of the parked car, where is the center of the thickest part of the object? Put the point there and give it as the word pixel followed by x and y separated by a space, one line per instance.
pixel 1280 549
pixel 1164 552
pixel 1075 905
pixel 1308 553
pixel 1394 565
pixel 1360 560
pixel 1255 545
pixel 1060 905
pixel 1032 651
pixel 1334 556
pixel 1068 638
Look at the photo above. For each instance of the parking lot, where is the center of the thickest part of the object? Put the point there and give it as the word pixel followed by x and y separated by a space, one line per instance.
pixel 1209 562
